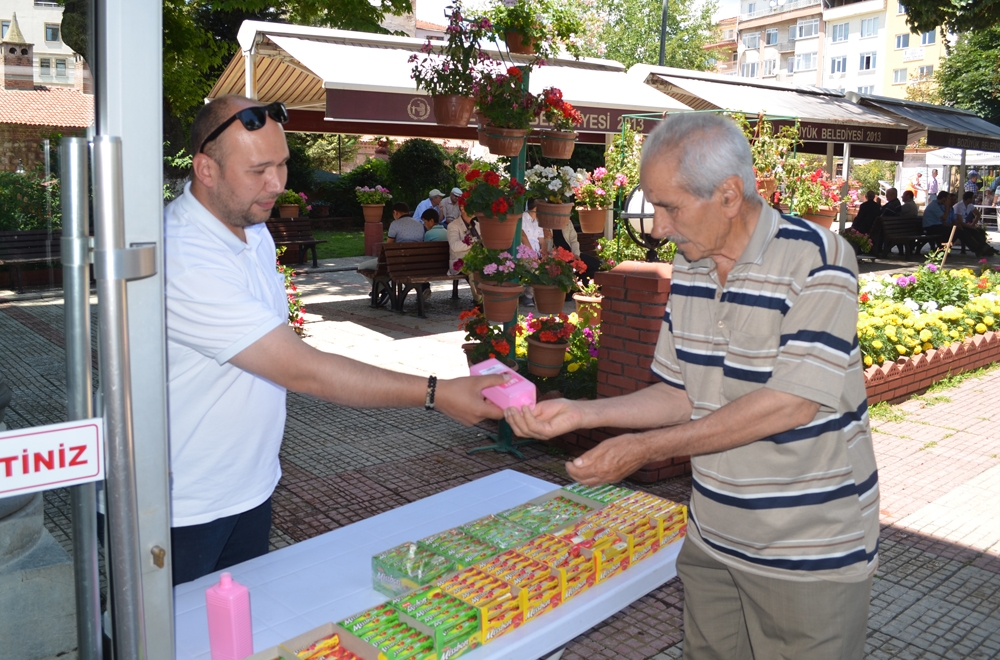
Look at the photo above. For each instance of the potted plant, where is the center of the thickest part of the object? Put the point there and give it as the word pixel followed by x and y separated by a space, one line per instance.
pixel 373 201
pixel 491 197
pixel 291 204
pixel 483 340
pixel 320 208
pixel 861 243
pixel 498 273
pixel 769 151
pixel 559 141
pixel 533 26
pixel 449 72
pixel 553 188
pixel 551 276
pixel 547 343
pixel 595 196
pixel 588 300
pixel 509 108
pixel 811 194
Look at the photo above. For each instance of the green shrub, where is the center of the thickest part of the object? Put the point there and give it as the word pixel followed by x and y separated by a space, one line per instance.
pixel 415 168
pixel 23 202
pixel 621 247
pixel 341 194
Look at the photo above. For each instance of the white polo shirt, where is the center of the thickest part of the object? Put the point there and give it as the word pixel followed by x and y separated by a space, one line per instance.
pixel 225 424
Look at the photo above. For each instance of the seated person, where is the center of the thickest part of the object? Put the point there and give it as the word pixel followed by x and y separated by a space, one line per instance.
pixel 868 211
pixel 462 233
pixel 890 209
pixel 908 209
pixel 403 229
pixel 433 231
pixel 966 220
pixel 892 204
pixel 935 214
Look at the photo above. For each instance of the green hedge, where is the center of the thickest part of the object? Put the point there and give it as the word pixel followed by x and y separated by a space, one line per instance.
pixel 23 202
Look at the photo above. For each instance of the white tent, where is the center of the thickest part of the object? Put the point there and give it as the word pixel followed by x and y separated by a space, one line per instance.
pixel 952 156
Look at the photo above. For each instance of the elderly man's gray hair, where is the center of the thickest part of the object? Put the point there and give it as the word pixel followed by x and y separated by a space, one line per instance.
pixel 709 149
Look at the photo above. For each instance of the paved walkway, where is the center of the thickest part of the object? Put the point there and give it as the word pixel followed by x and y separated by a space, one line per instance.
pixel 937 592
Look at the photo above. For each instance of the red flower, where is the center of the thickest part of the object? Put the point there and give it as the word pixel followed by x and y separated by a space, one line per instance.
pixel 501 346
pixel 548 336
pixel 514 72
pixel 864 297
pixel 491 178
pixel 482 329
pixel 473 175
pixel 499 207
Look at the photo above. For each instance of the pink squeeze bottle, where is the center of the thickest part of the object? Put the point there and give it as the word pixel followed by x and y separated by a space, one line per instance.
pixel 230 632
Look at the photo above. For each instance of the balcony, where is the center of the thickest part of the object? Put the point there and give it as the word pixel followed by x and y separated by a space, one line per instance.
pixel 786 47
pixel 913 54
pixel 791 5
pixel 47 4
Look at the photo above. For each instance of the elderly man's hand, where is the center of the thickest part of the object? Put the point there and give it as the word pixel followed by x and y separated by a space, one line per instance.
pixel 546 420
pixel 609 462
pixel 462 399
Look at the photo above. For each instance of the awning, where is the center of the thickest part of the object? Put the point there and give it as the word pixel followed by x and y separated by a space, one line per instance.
pixel 356 82
pixel 954 157
pixel 940 125
pixel 824 116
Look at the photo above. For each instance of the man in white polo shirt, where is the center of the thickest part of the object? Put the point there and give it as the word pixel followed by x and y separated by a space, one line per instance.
pixel 231 353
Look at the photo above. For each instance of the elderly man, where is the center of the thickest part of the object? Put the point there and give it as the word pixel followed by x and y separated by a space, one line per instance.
pixel 762 385
pixel 933 186
pixel 868 211
pixel 450 209
pixel 892 204
pixel 231 354
pixel 909 208
pixel 433 201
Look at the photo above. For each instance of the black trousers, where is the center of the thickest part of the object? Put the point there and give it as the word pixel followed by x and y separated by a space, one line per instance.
pixel 202 549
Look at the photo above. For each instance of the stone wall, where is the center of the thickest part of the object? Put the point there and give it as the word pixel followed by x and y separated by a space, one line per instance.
pixel 24 143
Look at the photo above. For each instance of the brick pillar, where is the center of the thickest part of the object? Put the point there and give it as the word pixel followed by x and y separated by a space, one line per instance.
pixel 588 242
pixel 635 296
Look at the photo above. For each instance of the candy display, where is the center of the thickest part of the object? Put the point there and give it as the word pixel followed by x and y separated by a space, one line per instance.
pixel 546 516
pixel 605 494
pixel 406 567
pixel 461 548
pixel 328 648
pixel 500 606
pixel 498 532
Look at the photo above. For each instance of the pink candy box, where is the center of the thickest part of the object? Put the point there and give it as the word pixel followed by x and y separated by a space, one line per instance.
pixel 516 392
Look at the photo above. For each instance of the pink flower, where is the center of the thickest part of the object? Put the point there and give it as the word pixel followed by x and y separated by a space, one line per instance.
pixel 600 173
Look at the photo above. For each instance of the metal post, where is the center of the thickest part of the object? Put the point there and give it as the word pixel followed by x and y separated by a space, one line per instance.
pixel 249 74
pixel 123 515
pixel 961 175
pixel 845 187
pixel 75 181
pixel 663 34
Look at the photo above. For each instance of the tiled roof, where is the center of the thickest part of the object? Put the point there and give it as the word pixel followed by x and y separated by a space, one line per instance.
pixel 46 106
pixel 434 27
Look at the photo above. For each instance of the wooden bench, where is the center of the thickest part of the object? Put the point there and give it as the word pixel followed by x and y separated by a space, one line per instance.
pixel 34 246
pixel 381 290
pixel 409 265
pixel 295 234
pixel 906 233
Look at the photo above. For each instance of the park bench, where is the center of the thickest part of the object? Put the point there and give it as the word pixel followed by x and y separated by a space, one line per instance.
pixel 409 265
pixel 381 290
pixel 906 233
pixel 295 234
pixel 34 246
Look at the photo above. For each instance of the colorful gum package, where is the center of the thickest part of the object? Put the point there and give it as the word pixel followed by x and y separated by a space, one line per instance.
pixel 546 516
pixel 516 392
pixel 453 625
pixel 501 608
pixel 605 494
pixel 461 548
pixel 406 567
pixel 498 532
pixel 576 570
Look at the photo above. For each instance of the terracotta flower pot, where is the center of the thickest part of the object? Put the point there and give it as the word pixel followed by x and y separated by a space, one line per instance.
pixel 500 301
pixel 553 216
pixel 591 220
pixel 497 233
pixel 558 144
pixel 766 186
pixel 588 308
pixel 824 217
pixel 453 110
pixel 505 141
pixel 516 43
pixel 288 210
pixel 549 299
pixel 545 359
pixel 468 347
pixel 481 128
pixel 373 212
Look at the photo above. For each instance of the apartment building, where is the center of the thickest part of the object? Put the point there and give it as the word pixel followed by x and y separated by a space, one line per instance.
pixel 859 46
pixel 40 24
pixel 725 55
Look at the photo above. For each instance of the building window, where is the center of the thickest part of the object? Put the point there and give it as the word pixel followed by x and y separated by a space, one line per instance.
pixel 805 62
pixel 899 76
pixel 840 32
pixel 791 64
pixel 867 89
pixel 838 64
pixel 925 72
pixel 729 35
pixel 52 33
pixel 44 67
pixel 751 7
pixel 4 26
pixel 867 61
pixel 736 57
pixel 748 70
pixel 60 68
pixel 769 67
pixel 770 36
pixel 927 38
pixel 902 41
pixel 808 28
pixel 869 27
pixel 900 8
pixel 752 40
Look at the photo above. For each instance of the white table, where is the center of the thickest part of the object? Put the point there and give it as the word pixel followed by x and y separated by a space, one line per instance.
pixel 328 578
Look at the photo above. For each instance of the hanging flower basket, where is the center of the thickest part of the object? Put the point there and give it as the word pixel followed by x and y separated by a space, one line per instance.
pixel 766 186
pixel 558 144
pixel 553 216
pixel 497 233
pixel 824 217
pixel 372 212
pixel 588 308
pixel 516 43
pixel 500 301
pixel 288 210
pixel 505 141
pixel 591 220
pixel 480 128
pixel 453 110
pixel 549 298
pixel 545 359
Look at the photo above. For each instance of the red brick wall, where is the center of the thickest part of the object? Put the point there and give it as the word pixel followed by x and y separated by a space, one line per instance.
pixel 24 142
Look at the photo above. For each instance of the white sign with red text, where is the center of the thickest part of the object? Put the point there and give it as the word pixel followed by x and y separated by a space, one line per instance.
pixel 53 456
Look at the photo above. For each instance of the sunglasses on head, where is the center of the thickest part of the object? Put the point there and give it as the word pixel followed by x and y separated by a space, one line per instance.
pixel 253 119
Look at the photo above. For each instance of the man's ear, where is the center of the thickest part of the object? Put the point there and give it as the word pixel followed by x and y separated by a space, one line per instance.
pixel 205 170
pixel 731 190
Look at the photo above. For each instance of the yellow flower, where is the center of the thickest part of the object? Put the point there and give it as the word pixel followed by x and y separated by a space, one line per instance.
pixel 925 335
pixel 980 328
pixel 567 357
pixel 917 350
pixel 901 349
pixel 877 344
pixel 868 360
pixel 988 320
pixel 928 346
pixel 573 366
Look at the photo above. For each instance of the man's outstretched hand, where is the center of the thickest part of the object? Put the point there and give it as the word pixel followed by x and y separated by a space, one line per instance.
pixel 609 462
pixel 462 399
pixel 546 420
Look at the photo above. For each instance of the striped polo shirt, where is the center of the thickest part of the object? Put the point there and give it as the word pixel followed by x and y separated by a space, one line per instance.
pixel 802 504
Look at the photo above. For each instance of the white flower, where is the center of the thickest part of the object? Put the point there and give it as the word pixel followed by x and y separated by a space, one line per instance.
pixel 555 184
pixel 909 302
pixel 549 172
pixel 930 306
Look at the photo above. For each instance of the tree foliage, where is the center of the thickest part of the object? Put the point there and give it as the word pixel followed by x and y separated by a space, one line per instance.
pixel 631 32
pixel 955 15
pixel 415 168
pixel 970 77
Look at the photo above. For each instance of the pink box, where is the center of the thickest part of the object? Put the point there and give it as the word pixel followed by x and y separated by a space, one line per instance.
pixel 516 392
